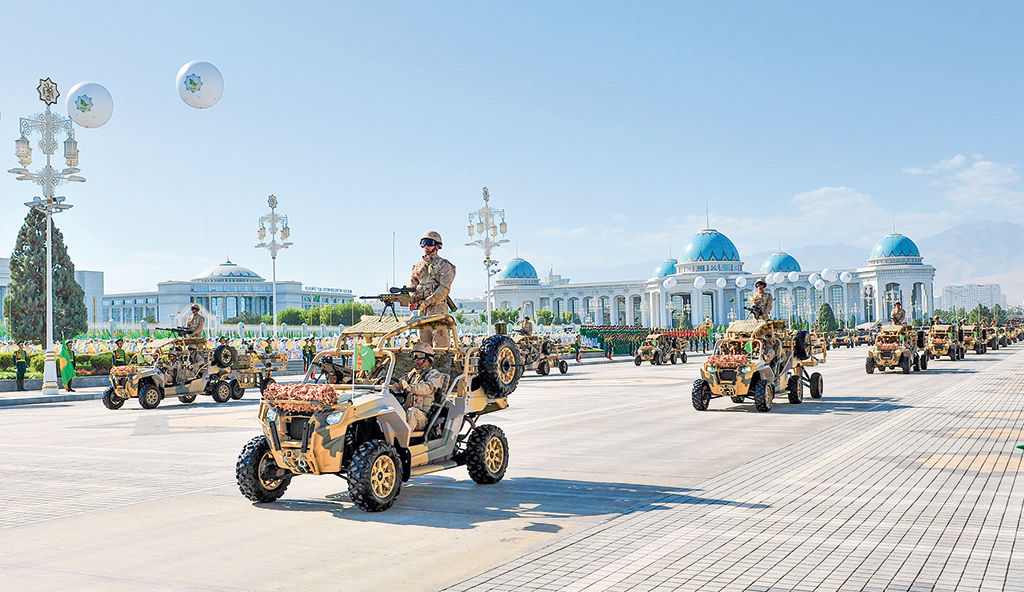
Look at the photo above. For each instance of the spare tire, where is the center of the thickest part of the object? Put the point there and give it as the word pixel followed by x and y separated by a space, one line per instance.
pixel 921 340
pixel 546 346
pixel 800 347
pixel 501 366
pixel 224 356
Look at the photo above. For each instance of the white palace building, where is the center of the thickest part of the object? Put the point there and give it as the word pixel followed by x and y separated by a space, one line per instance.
pixel 708 281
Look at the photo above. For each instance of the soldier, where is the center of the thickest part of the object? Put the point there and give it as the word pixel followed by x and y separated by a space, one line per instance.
pixel 21 363
pixel 119 357
pixel 195 323
pixel 898 314
pixel 308 353
pixel 527 328
pixel 420 384
pixel 432 277
pixel 761 302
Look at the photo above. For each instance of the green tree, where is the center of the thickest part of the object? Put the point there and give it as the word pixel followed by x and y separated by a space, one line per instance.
pixel 460 318
pixel 544 317
pixel 827 319
pixel 979 313
pixel 291 316
pixel 850 324
pixel 25 304
pixel 248 317
pixel 348 313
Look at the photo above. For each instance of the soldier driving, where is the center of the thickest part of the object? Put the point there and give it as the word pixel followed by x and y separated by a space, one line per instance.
pixel 898 314
pixel 119 357
pixel 195 322
pixel 761 302
pixel 420 384
pixel 432 277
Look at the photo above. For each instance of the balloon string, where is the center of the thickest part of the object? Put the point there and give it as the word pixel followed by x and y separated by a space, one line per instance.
pixel 206 207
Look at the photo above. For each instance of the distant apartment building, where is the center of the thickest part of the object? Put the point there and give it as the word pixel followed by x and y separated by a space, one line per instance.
pixel 969 296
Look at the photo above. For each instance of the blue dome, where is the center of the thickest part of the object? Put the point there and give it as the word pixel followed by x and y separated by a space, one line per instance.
pixel 709 245
pixel 227 271
pixel 894 245
pixel 518 269
pixel 667 267
pixel 779 262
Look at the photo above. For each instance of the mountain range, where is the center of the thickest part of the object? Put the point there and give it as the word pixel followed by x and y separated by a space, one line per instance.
pixel 985 252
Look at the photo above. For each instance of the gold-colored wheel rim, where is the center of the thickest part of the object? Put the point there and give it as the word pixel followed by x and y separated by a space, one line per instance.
pixel 494 456
pixel 267 465
pixel 506 365
pixel 383 476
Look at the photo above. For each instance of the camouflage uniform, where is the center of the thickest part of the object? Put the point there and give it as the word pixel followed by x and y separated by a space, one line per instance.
pixel 898 316
pixel 195 324
pixel 763 301
pixel 527 328
pixel 21 362
pixel 422 386
pixel 119 357
pixel 433 279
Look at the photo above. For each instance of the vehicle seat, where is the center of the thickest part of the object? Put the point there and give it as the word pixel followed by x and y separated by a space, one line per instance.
pixel 436 407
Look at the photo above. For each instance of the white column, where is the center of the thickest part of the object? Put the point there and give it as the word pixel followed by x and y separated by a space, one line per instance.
pixel 696 306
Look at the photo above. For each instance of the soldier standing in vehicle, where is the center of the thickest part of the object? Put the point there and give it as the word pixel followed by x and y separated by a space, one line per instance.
pixel 898 314
pixel 432 277
pixel 195 322
pixel 527 328
pixel 119 357
pixel 420 383
pixel 21 364
pixel 761 302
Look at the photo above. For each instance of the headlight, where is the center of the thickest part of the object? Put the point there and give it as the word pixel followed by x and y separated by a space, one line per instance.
pixel 271 414
pixel 334 417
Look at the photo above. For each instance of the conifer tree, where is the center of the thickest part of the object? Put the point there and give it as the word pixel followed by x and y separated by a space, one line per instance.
pixel 826 318
pixel 25 304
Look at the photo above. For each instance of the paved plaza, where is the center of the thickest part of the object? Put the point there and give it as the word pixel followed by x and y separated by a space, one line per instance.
pixel 889 482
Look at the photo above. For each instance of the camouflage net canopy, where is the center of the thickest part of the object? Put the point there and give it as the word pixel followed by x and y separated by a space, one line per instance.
pixel 300 397
pixel 123 370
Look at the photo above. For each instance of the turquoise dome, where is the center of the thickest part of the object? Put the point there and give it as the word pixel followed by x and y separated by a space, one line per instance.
pixel 517 269
pixel 709 245
pixel 227 271
pixel 667 267
pixel 894 245
pixel 779 262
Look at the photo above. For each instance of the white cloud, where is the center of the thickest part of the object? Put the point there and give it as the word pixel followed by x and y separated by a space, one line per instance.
pixel 574 233
pixel 943 165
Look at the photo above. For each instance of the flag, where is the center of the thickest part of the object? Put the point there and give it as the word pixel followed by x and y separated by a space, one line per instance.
pixel 749 347
pixel 66 364
pixel 365 359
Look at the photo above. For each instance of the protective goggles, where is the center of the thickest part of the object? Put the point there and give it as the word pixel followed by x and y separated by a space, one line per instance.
pixel 420 356
pixel 429 242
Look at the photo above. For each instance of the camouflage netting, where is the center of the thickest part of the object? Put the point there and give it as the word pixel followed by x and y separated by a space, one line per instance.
pixel 123 370
pixel 728 360
pixel 300 397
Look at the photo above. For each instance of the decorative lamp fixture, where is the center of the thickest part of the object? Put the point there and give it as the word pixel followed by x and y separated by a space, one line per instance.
pixel 23 151
pixel 71 153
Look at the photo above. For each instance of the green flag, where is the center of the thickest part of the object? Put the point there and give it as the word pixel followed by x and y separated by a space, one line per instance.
pixel 66 364
pixel 365 359
pixel 749 346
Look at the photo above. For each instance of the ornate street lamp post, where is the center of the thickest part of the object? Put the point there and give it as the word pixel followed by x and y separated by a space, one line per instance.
pixel 273 223
pixel 487 231
pixel 48 124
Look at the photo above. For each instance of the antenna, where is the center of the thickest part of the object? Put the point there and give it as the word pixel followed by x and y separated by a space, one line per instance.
pixel 707 215
pixel 780 244
pixel 894 223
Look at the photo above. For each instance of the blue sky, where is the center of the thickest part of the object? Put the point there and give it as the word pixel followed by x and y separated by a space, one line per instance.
pixel 602 129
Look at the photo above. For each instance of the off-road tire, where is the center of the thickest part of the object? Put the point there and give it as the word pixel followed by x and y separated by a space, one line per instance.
pixel 543 369
pixel 637 361
pixel 222 391
pixel 187 399
pixel 149 396
pixel 917 363
pixel 255 460
pixel 905 364
pixel 563 366
pixel 224 356
pixel 237 390
pixel 924 361
pixel 764 392
pixel 682 358
pixel 487 454
pixel 795 390
pixel 656 359
pixel 817 385
pixel 954 355
pixel 500 366
pixel 700 396
pixel 264 384
pixel 800 345
pixel 545 347
pixel 111 400
pixel 869 365
pixel 375 475
pixel 672 358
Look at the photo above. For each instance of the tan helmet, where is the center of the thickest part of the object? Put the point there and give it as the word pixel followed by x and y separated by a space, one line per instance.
pixel 422 347
pixel 432 235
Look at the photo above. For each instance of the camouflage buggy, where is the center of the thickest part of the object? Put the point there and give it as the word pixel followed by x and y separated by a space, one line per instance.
pixel 863 337
pixel 186 367
pixel 758 360
pixel 659 348
pixel 944 340
pixel 542 354
pixel 357 429
pixel 898 346
pixel 975 338
pixel 842 338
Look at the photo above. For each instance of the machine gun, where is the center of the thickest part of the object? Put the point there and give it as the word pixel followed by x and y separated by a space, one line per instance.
pixel 179 331
pixel 755 309
pixel 405 296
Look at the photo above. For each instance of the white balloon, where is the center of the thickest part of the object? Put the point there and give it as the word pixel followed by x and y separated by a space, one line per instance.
pixel 769 279
pixel 669 283
pixel 846 277
pixel 825 272
pixel 720 282
pixel 89 104
pixel 812 279
pixel 832 276
pixel 741 281
pixel 199 84
pixel 819 285
pixel 793 276
pixel 699 281
pixel 780 277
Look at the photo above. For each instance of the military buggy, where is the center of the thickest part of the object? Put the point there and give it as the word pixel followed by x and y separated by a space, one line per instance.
pixel 944 340
pixel 975 338
pixel 661 348
pixel 898 346
pixel 542 354
pixel 353 423
pixel 757 360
